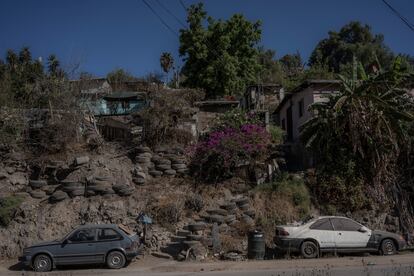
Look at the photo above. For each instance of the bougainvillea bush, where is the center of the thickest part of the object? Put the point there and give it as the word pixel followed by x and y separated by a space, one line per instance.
pixel 221 151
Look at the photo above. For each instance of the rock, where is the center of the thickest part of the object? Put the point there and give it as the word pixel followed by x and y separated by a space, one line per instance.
pixel 78 192
pixel 18 178
pixel 82 160
pixel 233 256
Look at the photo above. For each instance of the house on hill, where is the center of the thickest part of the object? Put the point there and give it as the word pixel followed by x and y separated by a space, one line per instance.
pixel 293 111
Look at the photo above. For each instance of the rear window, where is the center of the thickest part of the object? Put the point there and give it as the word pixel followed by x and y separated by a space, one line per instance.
pixel 322 224
pixel 108 234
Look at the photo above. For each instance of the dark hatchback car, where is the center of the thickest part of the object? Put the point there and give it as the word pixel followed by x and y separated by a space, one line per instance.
pixel 108 244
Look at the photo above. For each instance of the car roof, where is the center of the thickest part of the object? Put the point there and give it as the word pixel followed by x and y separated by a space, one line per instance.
pixel 97 226
pixel 321 217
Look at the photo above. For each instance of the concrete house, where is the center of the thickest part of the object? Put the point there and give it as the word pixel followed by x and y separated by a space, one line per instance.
pixel 293 111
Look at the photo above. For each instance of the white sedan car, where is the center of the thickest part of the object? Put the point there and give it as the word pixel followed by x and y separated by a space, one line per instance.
pixel 335 234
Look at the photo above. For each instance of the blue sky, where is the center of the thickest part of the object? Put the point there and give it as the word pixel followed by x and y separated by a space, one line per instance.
pixel 101 35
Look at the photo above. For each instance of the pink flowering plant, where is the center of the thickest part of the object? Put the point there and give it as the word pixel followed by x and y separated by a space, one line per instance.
pixel 224 149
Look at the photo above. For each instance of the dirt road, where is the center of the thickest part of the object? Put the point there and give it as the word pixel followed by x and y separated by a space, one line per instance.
pixel 372 265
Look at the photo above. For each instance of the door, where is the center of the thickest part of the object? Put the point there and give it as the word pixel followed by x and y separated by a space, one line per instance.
pixel 289 124
pixel 79 248
pixel 108 239
pixel 322 231
pixel 348 234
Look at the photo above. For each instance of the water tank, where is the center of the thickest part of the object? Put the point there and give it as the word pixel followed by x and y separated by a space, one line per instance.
pixel 256 245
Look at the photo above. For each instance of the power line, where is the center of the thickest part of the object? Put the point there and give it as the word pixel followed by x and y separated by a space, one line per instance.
pixel 160 18
pixel 399 15
pixel 183 5
pixel 171 13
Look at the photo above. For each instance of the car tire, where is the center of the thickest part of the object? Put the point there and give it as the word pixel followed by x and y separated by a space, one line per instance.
pixel 309 250
pixel 115 260
pixel 388 247
pixel 42 263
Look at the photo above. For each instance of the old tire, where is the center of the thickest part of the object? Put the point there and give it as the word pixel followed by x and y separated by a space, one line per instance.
pixel 309 250
pixel 388 247
pixel 115 260
pixel 42 263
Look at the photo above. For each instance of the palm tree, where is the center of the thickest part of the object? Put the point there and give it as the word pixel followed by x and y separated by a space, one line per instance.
pixel 166 62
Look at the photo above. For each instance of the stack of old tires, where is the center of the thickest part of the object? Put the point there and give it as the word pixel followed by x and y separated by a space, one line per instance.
pixel 37 187
pixel 178 163
pixel 99 185
pixel 123 189
pixel 143 159
pixel 162 167
pixel 188 243
pixel 73 188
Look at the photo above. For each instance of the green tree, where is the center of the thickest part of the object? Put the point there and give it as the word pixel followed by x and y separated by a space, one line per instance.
pixel 271 69
pixel 220 56
pixel 353 40
pixel 119 75
pixel 292 64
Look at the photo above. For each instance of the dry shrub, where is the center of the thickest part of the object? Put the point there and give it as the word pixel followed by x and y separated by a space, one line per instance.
pixel 167 210
pixel 162 119
pixel 273 209
pixel 232 243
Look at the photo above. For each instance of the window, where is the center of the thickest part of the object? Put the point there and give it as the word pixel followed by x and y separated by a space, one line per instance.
pixel 345 225
pixel 301 107
pixel 108 234
pixel 283 124
pixel 322 224
pixel 83 235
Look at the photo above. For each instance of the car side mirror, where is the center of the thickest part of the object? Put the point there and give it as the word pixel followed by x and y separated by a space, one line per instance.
pixel 65 241
pixel 363 229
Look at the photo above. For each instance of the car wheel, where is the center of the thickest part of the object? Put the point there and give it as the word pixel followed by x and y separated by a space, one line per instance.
pixel 42 263
pixel 309 250
pixel 388 247
pixel 115 260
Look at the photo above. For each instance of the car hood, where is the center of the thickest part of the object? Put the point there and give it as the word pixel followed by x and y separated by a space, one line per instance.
pixel 48 243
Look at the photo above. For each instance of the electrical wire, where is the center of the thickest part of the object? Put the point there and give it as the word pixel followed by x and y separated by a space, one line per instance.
pixel 183 5
pixel 171 13
pixel 160 18
pixel 405 20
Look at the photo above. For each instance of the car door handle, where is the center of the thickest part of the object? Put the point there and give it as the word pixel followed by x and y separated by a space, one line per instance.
pixel 339 233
